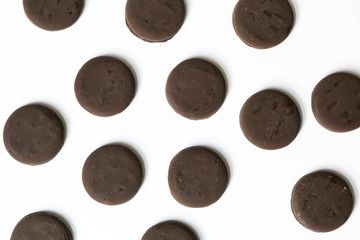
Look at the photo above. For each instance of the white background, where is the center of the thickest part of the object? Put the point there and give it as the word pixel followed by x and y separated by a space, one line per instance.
pixel 37 66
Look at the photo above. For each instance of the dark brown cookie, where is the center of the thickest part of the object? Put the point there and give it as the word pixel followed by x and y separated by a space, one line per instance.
pixel 270 119
pixel 169 230
pixel 197 177
pixel 33 134
pixel 105 86
pixel 336 102
pixel 322 201
pixel 53 15
pixel 155 20
pixel 41 226
pixel 112 174
pixel 196 89
pixel 263 23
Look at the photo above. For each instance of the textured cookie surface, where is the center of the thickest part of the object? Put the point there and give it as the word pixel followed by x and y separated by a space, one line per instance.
pixel 336 102
pixel 263 23
pixel 196 89
pixel 155 20
pixel 270 119
pixel 322 201
pixel 33 134
pixel 197 177
pixel 41 226
pixel 112 174
pixel 105 86
pixel 53 15
pixel 169 230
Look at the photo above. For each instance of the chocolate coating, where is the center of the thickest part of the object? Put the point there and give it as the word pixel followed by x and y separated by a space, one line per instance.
pixel 33 134
pixel 112 174
pixel 335 102
pixel 53 15
pixel 196 89
pixel 104 86
pixel 169 230
pixel 197 177
pixel 41 226
pixel 263 23
pixel 154 20
pixel 270 119
pixel 322 201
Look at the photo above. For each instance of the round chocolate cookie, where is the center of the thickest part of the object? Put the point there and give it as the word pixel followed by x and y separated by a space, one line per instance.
pixel 53 15
pixel 335 102
pixel 322 201
pixel 169 230
pixel 41 226
pixel 263 23
pixel 270 119
pixel 105 86
pixel 33 134
pixel 112 174
pixel 197 177
pixel 154 20
pixel 196 89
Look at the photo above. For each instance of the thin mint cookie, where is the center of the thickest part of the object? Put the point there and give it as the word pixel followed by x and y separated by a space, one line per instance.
pixel 335 102
pixel 170 230
pixel 33 134
pixel 263 23
pixel 322 201
pixel 41 226
pixel 104 86
pixel 53 15
pixel 112 174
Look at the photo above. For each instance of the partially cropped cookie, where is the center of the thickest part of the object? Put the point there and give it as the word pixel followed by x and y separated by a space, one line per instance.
pixel 270 119
pixel 170 230
pixel 154 20
pixel 335 102
pixel 105 86
pixel 34 134
pixel 112 174
pixel 197 177
pixel 53 15
pixel 322 201
pixel 196 89
pixel 263 23
pixel 41 226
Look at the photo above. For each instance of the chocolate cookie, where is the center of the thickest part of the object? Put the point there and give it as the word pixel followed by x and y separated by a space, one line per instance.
pixel 53 15
pixel 197 177
pixel 105 86
pixel 155 20
pixel 322 201
pixel 41 226
pixel 335 102
pixel 263 23
pixel 112 174
pixel 33 134
pixel 196 89
pixel 169 230
pixel 270 119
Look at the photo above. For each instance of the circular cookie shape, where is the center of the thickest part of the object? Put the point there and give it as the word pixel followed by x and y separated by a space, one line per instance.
pixel 335 102
pixel 263 23
pixel 154 20
pixel 197 177
pixel 33 134
pixel 270 119
pixel 104 86
pixel 112 174
pixel 41 226
pixel 322 201
pixel 196 89
pixel 53 15
pixel 169 230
